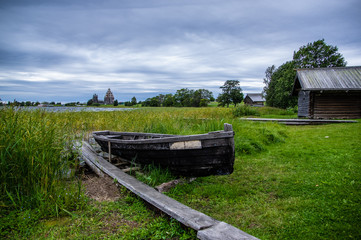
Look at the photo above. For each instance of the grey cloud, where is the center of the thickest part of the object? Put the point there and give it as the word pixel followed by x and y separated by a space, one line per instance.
pixel 80 47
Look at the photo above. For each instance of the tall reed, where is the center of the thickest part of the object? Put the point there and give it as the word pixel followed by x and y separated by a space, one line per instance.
pixel 34 163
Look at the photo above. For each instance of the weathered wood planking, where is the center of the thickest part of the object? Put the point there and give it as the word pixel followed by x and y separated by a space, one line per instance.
pixel 337 106
pixel 207 227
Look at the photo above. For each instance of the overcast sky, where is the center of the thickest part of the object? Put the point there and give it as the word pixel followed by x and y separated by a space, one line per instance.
pixel 54 50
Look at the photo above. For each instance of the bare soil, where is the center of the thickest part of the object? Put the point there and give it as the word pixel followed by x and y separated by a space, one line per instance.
pixel 100 189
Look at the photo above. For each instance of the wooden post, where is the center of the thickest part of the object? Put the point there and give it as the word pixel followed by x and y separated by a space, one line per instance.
pixel 110 152
pixel 228 127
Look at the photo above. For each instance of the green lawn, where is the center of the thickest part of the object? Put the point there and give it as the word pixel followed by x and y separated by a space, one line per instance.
pixel 307 187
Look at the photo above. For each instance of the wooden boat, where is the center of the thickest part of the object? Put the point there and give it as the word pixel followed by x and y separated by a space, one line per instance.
pixel 188 155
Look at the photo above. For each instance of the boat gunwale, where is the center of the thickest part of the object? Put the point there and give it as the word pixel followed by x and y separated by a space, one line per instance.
pixel 161 138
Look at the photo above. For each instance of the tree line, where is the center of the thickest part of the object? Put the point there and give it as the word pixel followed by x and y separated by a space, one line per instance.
pixel 231 94
pixel 279 81
pixel 182 98
pixel 28 103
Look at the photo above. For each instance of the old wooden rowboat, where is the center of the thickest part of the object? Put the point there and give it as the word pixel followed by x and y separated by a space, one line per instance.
pixel 188 155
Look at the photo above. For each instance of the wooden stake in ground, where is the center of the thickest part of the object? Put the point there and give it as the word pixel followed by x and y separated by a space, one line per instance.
pixel 110 152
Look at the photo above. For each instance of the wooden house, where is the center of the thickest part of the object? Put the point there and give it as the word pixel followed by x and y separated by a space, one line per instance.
pixel 254 99
pixel 328 92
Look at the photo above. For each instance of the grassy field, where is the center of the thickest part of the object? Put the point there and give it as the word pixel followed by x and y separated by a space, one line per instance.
pixel 307 187
pixel 290 182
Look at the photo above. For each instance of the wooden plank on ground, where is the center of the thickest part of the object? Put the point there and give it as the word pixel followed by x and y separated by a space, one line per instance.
pixel 200 222
pixel 224 231
pixel 300 121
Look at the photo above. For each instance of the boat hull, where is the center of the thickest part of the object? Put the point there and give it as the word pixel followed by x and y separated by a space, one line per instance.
pixel 192 155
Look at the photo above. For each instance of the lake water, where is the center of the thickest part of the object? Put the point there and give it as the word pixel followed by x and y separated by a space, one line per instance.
pixel 78 109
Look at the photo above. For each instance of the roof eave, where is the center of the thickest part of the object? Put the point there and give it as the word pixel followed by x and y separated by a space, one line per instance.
pixel 294 90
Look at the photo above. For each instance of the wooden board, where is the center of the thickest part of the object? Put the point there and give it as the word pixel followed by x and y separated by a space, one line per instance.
pixel 299 121
pixel 205 225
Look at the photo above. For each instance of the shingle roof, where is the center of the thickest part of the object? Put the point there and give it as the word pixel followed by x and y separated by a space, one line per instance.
pixel 256 97
pixel 340 78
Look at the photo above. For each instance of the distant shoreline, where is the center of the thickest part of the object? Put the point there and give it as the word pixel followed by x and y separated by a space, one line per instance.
pixel 76 108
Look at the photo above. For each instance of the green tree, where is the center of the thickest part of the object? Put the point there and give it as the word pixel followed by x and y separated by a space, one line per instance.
pixel 201 98
pixel 161 98
pixel 203 102
pixel 183 97
pixel 90 102
pixel 279 82
pixel 280 86
pixel 168 100
pixel 116 103
pixel 231 93
pixel 318 54
pixel 151 102
pixel 134 101
pixel 269 71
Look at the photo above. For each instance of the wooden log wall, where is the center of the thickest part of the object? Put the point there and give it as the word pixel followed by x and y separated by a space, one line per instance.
pixel 303 103
pixel 337 105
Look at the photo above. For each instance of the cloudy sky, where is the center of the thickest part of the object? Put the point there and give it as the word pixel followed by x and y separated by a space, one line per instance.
pixel 68 50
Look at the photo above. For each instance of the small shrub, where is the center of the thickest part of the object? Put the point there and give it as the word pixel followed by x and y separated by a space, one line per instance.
pixel 203 103
pixel 271 111
pixel 245 110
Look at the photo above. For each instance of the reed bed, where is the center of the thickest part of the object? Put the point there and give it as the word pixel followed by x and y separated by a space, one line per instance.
pixel 35 163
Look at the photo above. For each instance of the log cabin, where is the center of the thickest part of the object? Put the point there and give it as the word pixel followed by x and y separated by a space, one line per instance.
pixel 254 99
pixel 326 93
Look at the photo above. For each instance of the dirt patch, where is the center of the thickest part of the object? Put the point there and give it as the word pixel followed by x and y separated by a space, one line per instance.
pixel 100 189
pixel 112 222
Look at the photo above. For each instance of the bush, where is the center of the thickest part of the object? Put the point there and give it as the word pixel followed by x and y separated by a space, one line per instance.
pixel 203 103
pixel 71 104
pixel 245 110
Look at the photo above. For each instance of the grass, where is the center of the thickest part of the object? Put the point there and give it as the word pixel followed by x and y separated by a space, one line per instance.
pixel 154 175
pixel 290 182
pixel 266 112
pixel 307 187
pixel 126 218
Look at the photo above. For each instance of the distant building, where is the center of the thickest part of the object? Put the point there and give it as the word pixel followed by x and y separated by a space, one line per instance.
pixel 254 99
pixel 333 92
pixel 109 97
pixel 95 98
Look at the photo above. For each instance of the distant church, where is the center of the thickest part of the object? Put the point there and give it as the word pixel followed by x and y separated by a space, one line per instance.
pixel 108 99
